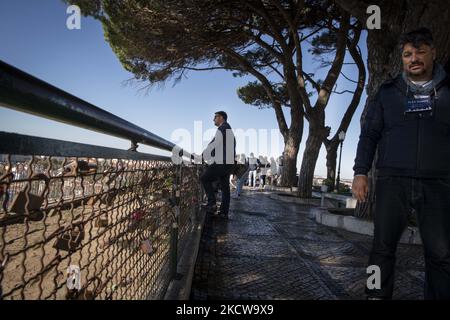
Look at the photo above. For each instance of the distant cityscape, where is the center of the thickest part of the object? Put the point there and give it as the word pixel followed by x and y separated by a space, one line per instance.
pixel 318 180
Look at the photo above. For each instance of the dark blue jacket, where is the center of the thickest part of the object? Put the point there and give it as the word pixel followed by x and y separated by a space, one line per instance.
pixel 413 145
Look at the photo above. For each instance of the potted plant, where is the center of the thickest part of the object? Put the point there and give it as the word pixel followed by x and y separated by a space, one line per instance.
pixel 326 185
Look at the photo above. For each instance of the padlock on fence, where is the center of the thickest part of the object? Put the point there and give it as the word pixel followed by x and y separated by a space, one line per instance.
pixel 70 239
pixel 135 218
pixel 137 215
pixel 5 181
pixel 102 221
pixel 25 201
pixel 109 197
pixel 148 246
pixel 123 191
pixel 80 167
pixel 145 181
pixel 84 293
pixel 165 194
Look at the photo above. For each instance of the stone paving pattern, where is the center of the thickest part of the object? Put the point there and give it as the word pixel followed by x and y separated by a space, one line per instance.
pixel 269 249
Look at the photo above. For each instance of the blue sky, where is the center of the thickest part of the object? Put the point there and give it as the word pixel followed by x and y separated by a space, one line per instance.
pixel 34 38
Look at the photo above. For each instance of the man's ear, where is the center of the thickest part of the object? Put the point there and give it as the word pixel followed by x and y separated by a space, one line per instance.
pixel 433 51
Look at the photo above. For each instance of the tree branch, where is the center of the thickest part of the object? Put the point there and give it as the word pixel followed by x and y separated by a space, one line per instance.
pixel 301 5
pixel 246 65
pixel 336 66
pixel 356 55
pixel 293 26
pixel 311 34
pixel 290 22
pixel 301 82
pixel 313 83
pixel 274 69
pixel 204 69
pixel 351 80
pixel 342 92
pixel 276 32
pixel 266 46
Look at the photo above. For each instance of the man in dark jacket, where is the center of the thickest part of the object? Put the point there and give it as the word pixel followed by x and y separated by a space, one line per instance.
pixel 220 153
pixel 409 122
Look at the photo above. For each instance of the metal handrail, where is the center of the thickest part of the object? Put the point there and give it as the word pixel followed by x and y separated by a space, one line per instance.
pixel 26 93
pixel 130 212
pixel 19 144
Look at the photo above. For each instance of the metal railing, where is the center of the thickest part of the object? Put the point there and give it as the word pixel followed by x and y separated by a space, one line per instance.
pixel 79 221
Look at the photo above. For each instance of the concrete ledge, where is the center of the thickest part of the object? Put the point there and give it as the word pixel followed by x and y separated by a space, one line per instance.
pixel 410 235
pixel 294 199
pixel 346 200
pixel 181 289
pixel 280 189
pixel 331 195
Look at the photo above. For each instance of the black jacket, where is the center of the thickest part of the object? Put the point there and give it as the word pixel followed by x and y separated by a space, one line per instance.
pixel 222 134
pixel 413 145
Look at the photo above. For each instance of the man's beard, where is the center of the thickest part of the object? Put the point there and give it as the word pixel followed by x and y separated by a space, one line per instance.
pixel 416 73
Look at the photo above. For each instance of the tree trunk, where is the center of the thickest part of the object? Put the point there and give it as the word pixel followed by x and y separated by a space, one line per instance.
pixel 316 115
pixel 332 162
pixel 332 145
pixel 383 54
pixel 291 147
pixel 312 148
pixel 289 173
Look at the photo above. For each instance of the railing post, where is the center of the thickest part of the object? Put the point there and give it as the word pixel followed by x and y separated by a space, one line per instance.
pixel 173 250
pixel 175 222
pixel 198 195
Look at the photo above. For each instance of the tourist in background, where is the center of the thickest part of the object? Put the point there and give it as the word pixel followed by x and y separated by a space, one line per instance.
pixel 242 172
pixel 253 166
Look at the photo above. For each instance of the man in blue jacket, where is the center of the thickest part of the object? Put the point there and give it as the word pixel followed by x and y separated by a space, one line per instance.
pixel 409 122
pixel 220 153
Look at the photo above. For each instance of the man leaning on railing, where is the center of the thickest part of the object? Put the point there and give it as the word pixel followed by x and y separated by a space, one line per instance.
pixel 220 155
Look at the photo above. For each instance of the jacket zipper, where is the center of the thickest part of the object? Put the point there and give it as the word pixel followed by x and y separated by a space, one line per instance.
pixel 441 84
pixel 418 145
pixel 433 97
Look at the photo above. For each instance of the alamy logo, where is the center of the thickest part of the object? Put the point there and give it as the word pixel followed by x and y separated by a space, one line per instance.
pixel 221 149
pixel 374 280
pixel 74 20
pixel 374 20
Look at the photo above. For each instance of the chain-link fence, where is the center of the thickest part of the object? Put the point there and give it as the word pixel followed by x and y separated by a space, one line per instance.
pixel 79 221
pixel 85 228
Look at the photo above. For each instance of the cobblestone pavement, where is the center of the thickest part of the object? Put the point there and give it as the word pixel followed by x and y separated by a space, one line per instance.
pixel 270 249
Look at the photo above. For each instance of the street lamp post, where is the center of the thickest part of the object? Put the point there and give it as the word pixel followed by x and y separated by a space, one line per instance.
pixel 341 139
